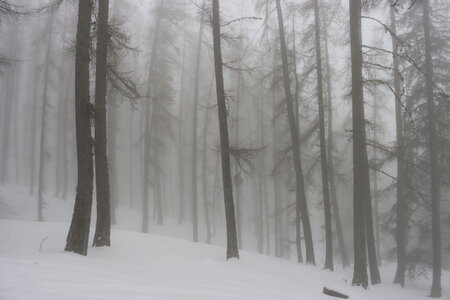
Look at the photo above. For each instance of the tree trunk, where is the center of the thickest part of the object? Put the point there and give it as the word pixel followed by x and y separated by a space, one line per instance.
pixel 301 203
pixel 148 129
pixel 375 184
pixel 205 165
pixel 360 163
pixel 194 133
pixel 78 236
pixel 103 226
pixel 180 136
pixel 43 121
pixel 323 149
pixel 432 144
pixel 232 244
pixel 331 172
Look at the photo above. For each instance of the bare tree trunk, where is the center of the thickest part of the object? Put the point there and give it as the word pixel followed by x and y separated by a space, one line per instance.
pixel 194 133
pixel 204 165
pixel 360 163
pixel 276 185
pixel 180 136
pixel 297 122
pixel 375 185
pixel 103 226
pixel 232 243
pixel 301 203
pixel 43 121
pixel 78 236
pixel 432 145
pixel 331 172
pixel 148 129
pixel 323 146
pixel 65 170
pixel 401 232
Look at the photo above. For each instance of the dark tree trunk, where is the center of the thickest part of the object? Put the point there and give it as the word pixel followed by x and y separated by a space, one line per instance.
pixel 360 164
pixel 103 226
pixel 301 203
pixel 232 244
pixel 78 236
pixel 432 145
pixel 43 122
pixel 331 172
pixel 194 134
pixel 323 146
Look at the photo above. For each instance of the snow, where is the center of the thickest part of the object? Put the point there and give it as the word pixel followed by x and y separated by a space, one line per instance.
pixel 34 266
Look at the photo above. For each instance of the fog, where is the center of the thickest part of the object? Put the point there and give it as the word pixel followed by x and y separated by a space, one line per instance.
pixel 315 166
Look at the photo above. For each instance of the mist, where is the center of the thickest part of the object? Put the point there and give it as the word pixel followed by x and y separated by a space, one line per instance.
pixel 302 135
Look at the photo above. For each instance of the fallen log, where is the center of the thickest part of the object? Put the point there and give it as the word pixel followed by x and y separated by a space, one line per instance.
pixel 333 293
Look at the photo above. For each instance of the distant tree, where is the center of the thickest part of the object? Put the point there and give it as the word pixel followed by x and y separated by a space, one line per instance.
pixel 45 100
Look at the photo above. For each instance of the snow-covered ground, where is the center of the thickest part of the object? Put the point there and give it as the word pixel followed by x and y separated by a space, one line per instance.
pixel 34 266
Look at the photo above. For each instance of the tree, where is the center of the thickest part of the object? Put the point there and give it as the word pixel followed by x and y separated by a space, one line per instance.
pixel 232 245
pixel 361 188
pixel 301 203
pixel 433 153
pixel 78 236
pixel 103 225
pixel 194 131
pixel 323 146
pixel 401 234
pixel 45 97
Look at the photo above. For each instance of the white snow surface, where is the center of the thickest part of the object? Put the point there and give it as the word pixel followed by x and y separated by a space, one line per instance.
pixel 34 266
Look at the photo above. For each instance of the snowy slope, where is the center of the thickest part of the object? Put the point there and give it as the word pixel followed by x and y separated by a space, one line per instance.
pixel 139 266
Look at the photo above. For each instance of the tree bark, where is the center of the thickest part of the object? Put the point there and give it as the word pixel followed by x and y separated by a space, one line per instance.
pixel 103 226
pixel 78 236
pixel 301 203
pixel 232 244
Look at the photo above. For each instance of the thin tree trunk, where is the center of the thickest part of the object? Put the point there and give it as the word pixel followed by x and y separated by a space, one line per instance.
pixel 432 144
pixel 204 165
pixel 103 226
pixel 78 236
pixel 331 172
pixel 66 140
pixel 401 232
pixel 323 149
pixel 301 203
pixel 375 185
pixel 232 243
pixel 43 122
pixel 148 129
pixel 180 136
pixel 194 133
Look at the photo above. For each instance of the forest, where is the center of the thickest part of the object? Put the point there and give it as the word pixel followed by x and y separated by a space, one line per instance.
pixel 304 138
